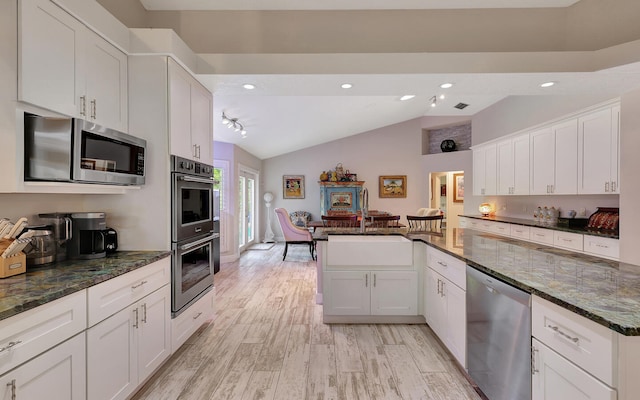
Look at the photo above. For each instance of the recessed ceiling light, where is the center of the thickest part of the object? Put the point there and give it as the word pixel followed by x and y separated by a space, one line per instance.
pixel 346 86
pixel 547 84
pixel 407 97
pixel 249 86
pixel 441 97
pixel 446 85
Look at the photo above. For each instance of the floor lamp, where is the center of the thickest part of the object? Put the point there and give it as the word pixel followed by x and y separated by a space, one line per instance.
pixel 268 234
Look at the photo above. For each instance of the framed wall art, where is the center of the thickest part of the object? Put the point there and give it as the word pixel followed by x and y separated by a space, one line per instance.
pixel 392 186
pixel 458 188
pixel 293 186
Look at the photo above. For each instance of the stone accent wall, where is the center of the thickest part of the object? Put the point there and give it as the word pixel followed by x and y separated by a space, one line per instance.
pixel 461 134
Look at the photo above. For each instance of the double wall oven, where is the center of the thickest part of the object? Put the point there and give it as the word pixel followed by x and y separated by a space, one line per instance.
pixel 192 232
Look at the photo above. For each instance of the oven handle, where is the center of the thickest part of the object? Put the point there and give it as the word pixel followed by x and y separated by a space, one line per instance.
pixel 188 178
pixel 199 242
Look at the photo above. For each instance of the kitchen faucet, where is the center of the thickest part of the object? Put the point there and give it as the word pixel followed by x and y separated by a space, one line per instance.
pixel 364 208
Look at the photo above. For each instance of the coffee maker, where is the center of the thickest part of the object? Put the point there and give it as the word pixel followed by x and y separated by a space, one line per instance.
pixel 87 238
pixel 60 226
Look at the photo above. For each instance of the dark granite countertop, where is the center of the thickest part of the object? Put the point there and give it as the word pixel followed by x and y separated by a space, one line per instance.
pixel 604 291
pixel 41 285
pixel 534 223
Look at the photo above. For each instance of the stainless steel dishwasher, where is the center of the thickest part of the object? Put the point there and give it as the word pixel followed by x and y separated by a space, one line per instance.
pixel 498 337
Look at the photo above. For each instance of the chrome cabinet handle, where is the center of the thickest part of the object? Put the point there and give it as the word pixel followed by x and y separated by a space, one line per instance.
pixel 443 264
pixel 144 312
pixel 93 108
pixel 613 186
pixel 558 331
pixel 374 280
pixel 138 285
pixel 366 280
pixel 606 186
pixel 83 106
pixel 10 345
pixel 197 315
pixel 12 385
pixel 534 369
pixel 135 324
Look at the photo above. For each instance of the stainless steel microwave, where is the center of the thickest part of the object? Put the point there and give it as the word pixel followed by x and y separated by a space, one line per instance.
pixel 74 150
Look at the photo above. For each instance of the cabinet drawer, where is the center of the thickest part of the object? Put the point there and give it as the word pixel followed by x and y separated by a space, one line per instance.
pixel 448 266
pixel 486 226
pixel 463 223
pixel 539 235
pixel 473 223
pixel 35 331
pixel 605 247
pixel 567 240
pixel 583 342
pixel 520 232
pixel 109 297
pixel 185 324
pixel 501 228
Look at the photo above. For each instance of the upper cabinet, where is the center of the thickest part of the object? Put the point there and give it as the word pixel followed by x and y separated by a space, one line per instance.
pixel 598 156
pixel 67 68
pixel 513 166
pixel 484 170
pixel 190 116
pixel 554 159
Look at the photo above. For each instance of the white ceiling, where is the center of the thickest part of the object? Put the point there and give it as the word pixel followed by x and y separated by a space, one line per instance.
pixel 291 110
pixel 346 4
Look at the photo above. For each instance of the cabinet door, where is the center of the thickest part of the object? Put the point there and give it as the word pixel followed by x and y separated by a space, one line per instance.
pixel 491 171
pixel 521 165
pixel 615 150
pixel 201 123
pixel 50 73
pixel 106 83
pixel 435 305
pixel 456 321
pixel 180 111
pixel 595 140
pixel 58 373
pixel 555 378
pixel 506 167
pixel 542 150
pixel 154 334
pixel 566 157
pixel 479 172
pixel 112 372
pixel 394 293
pixel 347 293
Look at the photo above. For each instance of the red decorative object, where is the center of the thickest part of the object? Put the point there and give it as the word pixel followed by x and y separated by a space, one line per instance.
pixel 605 218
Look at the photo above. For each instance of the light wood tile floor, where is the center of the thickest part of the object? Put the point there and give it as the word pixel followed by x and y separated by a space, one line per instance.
pixel 267 341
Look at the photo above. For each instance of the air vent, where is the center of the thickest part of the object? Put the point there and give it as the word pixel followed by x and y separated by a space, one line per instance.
pixel 461 106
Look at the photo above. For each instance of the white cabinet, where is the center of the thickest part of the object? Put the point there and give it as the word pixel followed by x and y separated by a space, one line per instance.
pixel 67 68
pixel 555 378
pixel 598 157
pixel 568 240
pixel 124 349
pixel 445 301
pixel 513 166
pixel 541 235
pixel 371 293
pixel 190 116
pixel 485 170
pixel 185 324
pixel 59 373
pixel 603 247
pixel 554 159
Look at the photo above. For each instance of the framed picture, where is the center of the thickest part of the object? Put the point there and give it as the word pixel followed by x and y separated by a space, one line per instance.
pixel 341 200
pixel 458 188
pixel 293 186
pixel 394 186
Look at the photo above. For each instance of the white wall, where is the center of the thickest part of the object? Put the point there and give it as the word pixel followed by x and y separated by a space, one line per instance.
pixel 629 179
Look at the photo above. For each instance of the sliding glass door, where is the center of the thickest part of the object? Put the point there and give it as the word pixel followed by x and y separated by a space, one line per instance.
pixel 247 192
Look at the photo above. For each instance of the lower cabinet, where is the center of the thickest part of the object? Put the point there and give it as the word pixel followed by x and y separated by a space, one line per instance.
pixel 58 373
pixel 556 378
pixel 185 324
pixel 124 349
pixel 445 312
pixel 371 293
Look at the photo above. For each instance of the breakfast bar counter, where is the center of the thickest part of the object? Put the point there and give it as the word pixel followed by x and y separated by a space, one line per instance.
pixel 41 285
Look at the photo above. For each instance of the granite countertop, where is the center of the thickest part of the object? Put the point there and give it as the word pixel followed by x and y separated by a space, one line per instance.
pixel 604 291
pixel 40 285
pixel 534 223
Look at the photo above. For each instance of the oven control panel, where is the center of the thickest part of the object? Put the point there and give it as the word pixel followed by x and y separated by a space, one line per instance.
pixel 186 166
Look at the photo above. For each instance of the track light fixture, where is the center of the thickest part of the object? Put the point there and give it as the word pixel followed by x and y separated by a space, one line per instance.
pixel 233 123
pixel 433 101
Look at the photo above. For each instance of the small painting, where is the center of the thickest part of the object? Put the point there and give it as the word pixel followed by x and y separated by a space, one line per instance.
pixel 458 188
pixel 393 186
pixel 341 200
pixel 293 186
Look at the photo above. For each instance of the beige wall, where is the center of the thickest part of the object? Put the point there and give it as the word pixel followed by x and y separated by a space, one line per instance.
pixel 629 179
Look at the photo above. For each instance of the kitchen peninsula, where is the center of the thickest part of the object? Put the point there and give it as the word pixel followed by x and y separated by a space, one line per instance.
pixel 585 308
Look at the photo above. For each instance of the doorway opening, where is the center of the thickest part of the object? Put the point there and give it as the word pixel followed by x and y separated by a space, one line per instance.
pixel 447 195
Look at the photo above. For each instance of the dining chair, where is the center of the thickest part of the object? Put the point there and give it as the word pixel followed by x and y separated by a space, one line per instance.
pixel 423 223
pixel 383 221
pixel 340 221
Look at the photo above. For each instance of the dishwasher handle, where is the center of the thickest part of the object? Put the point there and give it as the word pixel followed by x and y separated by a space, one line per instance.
pixel 496 286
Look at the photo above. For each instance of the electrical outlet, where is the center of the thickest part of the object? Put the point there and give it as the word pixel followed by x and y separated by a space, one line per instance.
pixel 524 209
pixel 503 207
pixel 582 212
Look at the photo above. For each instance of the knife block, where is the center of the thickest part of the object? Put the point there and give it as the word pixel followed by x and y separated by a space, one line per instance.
pixel 13 265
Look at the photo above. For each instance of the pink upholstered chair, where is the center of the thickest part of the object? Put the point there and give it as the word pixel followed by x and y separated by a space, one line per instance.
pixel 293 234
